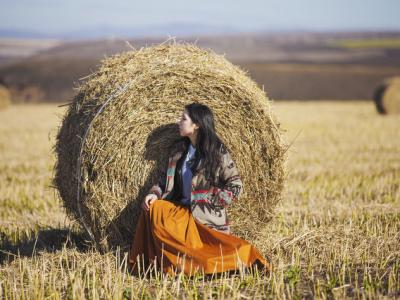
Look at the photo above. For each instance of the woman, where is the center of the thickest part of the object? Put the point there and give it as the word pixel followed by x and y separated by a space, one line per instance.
pixel 183 224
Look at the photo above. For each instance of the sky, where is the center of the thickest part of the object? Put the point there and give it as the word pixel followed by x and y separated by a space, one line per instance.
pixel 53 16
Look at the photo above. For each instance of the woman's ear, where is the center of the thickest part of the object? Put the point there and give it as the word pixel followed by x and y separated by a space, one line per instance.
pixel 196 126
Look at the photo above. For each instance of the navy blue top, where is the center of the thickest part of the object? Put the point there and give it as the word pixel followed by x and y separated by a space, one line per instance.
pixel 187 176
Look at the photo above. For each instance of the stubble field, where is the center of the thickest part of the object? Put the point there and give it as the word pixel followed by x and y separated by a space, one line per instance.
pixel 335 234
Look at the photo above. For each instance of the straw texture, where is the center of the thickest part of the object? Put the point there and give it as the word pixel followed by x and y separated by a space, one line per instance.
pixel 120 128
pixel 387 96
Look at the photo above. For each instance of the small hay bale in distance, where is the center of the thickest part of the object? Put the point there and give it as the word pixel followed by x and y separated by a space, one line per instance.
pixel 130 105
pixel 387 96
pixel 5 97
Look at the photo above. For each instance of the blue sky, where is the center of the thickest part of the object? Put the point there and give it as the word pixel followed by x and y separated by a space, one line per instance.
pixel 52 16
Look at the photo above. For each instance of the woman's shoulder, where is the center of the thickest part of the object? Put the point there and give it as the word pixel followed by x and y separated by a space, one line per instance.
pixel 225 155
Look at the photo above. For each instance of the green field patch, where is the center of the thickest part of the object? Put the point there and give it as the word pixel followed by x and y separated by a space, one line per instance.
pixel 367 43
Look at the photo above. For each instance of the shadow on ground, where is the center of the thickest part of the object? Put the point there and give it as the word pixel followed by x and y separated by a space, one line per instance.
pixel 48 240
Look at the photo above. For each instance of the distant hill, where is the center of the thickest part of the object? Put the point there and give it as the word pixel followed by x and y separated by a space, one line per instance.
pixel 291 65
pixel 12 49
pixel 103 32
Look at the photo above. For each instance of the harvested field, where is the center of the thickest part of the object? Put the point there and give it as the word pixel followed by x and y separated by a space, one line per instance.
pixel 335 233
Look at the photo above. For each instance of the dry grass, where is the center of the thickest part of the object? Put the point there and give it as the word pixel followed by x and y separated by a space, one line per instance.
pixel 5 97
pixel 336 233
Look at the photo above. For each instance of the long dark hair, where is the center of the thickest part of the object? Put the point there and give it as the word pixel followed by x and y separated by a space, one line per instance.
pixel 208 143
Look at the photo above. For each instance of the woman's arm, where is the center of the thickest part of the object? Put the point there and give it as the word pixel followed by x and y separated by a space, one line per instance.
pixel 230 183
pixel 159 187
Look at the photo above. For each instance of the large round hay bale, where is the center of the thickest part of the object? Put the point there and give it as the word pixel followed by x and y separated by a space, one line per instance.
pixel 5 97
pixel 387 96
pixel 118 131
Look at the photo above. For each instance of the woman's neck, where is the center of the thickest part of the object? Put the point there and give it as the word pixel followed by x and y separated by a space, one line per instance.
pixel 193 140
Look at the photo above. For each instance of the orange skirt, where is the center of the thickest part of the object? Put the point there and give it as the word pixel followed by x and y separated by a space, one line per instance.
pixel 169 238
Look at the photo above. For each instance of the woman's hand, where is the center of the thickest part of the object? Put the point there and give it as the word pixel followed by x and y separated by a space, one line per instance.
pixel 149 199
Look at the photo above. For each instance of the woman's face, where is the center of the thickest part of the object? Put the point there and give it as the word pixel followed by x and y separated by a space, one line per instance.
pixel 186 125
